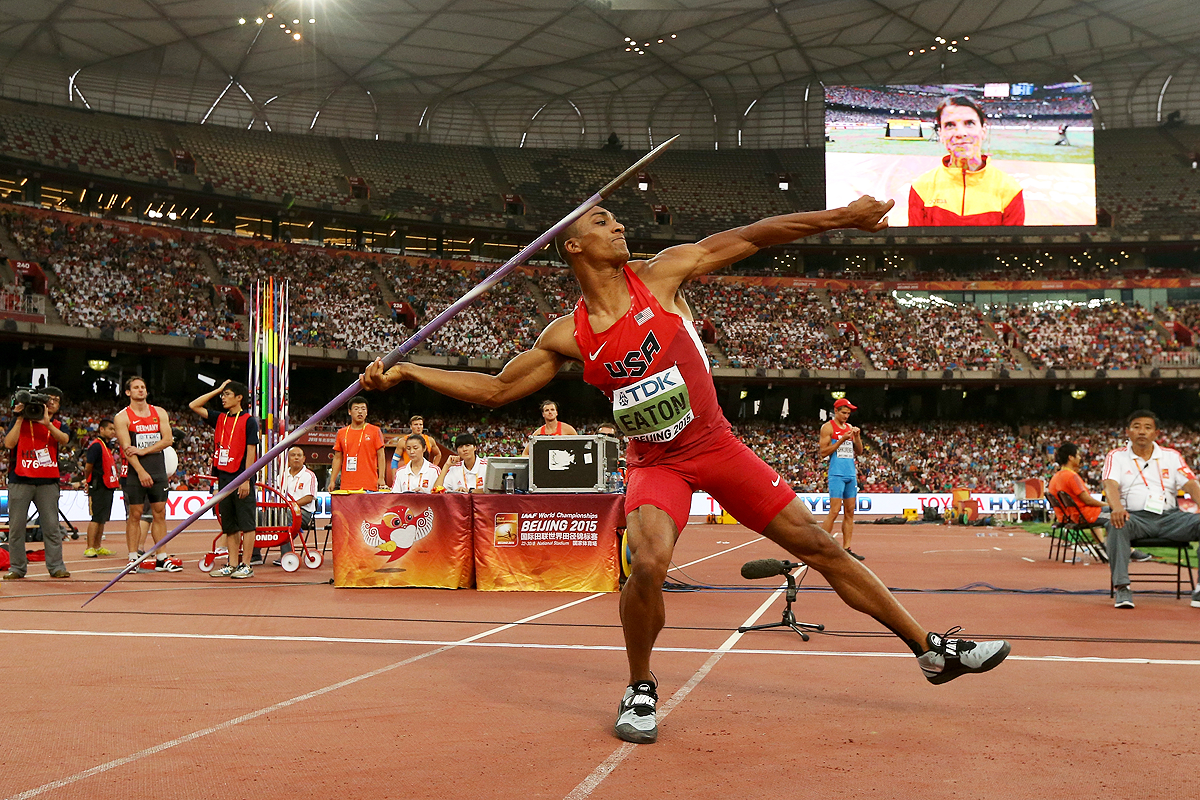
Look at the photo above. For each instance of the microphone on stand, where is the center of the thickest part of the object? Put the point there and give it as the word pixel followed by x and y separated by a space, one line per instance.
pixel 770 568
pixel 767 568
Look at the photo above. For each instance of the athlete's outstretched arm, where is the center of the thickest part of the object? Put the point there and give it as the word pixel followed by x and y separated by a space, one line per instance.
pixel 522 376
pixel 688 261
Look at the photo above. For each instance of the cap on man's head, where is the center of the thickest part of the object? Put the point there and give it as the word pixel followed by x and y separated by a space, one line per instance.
pixel 844 402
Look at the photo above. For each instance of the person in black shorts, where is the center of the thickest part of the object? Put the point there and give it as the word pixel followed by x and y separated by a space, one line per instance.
pixel 144 432
pixel 103 477
pixel 235 449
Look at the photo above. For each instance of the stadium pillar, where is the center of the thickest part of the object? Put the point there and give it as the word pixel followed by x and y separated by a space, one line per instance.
pixel 441 243
pixel 317 231
pixel 274 227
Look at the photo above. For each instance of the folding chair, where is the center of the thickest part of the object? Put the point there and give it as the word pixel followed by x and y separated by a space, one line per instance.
pixel 1058 532
pixel 1183 561
pixel 1080 530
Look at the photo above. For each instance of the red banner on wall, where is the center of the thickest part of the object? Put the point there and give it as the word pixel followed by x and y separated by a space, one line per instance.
pixel 402 540
pixel 547 542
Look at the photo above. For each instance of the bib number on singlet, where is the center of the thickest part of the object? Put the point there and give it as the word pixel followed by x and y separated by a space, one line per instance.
pixel 146 439
pixel 846 449
pixel 655 409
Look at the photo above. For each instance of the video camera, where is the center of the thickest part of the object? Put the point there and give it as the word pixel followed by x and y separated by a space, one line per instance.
pixel 32 401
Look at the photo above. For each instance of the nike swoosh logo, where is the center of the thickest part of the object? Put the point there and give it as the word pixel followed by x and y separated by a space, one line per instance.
pixel 592 356
pixel 776 481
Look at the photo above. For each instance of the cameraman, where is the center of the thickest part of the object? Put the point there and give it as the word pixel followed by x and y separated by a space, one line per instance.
pixel 33 477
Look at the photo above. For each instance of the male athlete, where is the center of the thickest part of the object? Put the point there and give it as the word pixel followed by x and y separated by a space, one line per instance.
pixel 632 332
pixel 551 424
pixel 144 432
pixel 840 442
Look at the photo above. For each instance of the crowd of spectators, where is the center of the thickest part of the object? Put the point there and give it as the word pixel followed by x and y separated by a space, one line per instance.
pixel 775 327
pixel 928 334
pixel 109 277
pixel 1077 336
pixel 334 299
pixel 504 322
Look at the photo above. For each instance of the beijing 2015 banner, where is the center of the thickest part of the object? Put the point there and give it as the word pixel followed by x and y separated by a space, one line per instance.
pixel 402 540
pixel 549 542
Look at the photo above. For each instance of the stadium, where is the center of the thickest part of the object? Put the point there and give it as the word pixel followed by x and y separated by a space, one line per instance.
pixel 164 167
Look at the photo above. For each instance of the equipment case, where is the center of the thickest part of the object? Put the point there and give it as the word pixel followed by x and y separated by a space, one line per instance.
pixel 572 463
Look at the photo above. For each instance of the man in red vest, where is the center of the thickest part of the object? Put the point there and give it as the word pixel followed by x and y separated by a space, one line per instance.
pixel 236 449
pixel 33 478
pixel 102 474
pixel 551 424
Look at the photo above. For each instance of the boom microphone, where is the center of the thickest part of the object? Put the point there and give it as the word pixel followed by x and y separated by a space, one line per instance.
pixel 767 568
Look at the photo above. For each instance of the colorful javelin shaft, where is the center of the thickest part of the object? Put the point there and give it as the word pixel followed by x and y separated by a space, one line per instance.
pixel 393 358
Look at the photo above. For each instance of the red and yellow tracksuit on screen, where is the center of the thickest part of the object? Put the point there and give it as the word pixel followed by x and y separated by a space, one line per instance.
pixel 953 196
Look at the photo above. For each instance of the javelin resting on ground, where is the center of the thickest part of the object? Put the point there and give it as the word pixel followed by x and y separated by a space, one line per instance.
pixel 633 333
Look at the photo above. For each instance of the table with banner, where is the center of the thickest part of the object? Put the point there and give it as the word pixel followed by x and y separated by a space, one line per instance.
pixel 493 542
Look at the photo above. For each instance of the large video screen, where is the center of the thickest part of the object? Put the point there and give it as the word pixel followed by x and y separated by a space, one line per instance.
pixel 964 155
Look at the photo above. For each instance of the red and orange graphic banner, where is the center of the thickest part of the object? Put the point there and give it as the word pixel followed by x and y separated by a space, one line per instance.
pixel 402 540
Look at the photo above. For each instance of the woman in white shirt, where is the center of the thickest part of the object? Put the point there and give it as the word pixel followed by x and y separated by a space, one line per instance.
pixel 418 475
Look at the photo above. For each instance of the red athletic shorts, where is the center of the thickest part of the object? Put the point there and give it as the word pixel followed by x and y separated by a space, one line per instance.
pixel 728 470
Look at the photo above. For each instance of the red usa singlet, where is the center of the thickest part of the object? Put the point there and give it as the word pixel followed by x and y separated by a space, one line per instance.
pixel 651 365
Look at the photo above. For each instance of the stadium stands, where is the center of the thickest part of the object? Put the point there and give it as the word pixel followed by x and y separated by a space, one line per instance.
pixel 1107 336
pixel 925 335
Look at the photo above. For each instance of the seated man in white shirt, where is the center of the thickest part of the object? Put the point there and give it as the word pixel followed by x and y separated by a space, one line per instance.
pixel 1141 482
pixel 418 475
pixel 465 471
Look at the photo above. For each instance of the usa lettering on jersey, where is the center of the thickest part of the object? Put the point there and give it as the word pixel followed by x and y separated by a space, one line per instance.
pixel 636 362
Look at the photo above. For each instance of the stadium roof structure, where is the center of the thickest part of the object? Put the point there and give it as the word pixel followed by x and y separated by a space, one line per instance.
pixel 537 73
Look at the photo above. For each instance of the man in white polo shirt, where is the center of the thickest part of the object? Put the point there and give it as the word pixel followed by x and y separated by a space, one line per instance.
pixel 299 483
pixel 1141 481
pixel 464 472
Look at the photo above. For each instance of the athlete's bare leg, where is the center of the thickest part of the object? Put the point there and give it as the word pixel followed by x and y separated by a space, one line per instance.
pixel 133 528
pixel 848 523
pixel 795 530
pixel 158 522
pixel 835 506
pixel 651 535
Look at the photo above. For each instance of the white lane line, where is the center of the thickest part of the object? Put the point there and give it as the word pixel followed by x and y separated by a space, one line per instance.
pixel 473 642
pixel 1027 558
pixel 606 767
pixel 158 748
pixel 719 553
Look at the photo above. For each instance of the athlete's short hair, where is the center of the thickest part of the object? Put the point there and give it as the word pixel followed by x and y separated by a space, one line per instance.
pixel 414 418
pixel 356 400
pixel 958 100
pixel 1064 452
pixel 548 402
pixel 129 381
pixel 1142 413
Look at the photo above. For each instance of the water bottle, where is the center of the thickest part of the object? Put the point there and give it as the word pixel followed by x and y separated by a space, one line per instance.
pixel 510 483
pixel 614 483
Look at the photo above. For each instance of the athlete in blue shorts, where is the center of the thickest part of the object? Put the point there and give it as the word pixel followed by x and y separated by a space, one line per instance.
pixel 840 443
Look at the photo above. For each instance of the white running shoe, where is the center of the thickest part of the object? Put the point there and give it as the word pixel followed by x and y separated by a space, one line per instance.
pixel 242 571
pixel 168 564
pixel 221 572
pixel 948 658
pixel 635 715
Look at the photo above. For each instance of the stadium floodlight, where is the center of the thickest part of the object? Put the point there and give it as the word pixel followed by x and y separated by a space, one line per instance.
pixel 241 20
pixel 312 21
pixel 98 364
pixel 258 21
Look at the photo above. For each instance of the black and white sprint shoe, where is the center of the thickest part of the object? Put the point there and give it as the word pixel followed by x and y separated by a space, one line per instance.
pixel 636 720
pixel 948 658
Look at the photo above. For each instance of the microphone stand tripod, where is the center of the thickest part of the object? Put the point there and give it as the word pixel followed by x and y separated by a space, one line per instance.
pixel 789 619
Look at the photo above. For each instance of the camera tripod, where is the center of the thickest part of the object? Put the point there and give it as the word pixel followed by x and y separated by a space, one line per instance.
pixel 789 618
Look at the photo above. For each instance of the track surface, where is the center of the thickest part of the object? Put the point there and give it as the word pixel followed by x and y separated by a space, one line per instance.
pixel 185 686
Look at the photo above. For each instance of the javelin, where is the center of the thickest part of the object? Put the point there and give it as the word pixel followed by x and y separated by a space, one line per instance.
pixel 393 358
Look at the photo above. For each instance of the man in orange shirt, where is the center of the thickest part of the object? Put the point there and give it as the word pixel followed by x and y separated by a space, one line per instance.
pixel 1068 480
pixel 358 455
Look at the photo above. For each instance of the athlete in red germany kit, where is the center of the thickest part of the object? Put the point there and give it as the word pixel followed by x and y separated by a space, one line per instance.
pixel 632 332
pixel 654 370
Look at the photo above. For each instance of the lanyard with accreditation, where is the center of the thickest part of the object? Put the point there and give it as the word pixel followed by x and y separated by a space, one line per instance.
pixel 1154 504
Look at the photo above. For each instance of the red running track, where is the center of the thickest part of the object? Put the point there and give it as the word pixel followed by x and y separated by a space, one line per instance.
pixel 185 686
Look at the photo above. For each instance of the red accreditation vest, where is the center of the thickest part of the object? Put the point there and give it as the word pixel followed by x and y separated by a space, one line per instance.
pixel 37 451
pixel 108 465
pixel 652 366
pixel 230 452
